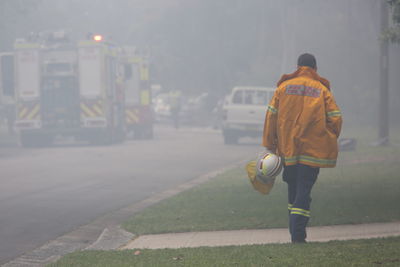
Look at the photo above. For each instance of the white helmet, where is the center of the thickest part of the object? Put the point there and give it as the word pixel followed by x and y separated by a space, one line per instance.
pixel 268 167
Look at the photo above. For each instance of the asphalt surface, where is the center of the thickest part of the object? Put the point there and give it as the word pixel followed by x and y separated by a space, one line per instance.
pixel 46 193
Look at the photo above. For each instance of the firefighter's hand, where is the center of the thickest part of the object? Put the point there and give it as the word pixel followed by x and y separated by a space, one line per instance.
pixel 270 150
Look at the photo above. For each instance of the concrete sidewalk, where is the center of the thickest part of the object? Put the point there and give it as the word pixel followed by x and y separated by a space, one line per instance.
pixel 267 236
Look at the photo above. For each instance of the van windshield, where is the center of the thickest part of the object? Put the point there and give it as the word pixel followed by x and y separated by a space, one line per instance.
pixel 252 97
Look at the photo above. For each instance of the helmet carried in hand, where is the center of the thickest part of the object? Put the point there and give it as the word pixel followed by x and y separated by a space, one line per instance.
pixel 268 167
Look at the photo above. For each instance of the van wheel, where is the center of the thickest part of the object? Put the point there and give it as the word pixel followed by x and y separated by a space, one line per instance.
pixel 102 138
pixel 230 139
pixel 27 140
pixel 149 132
pixel 35 140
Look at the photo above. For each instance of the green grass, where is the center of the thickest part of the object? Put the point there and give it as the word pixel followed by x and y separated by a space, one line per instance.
pixel 372 252
pixel 353 192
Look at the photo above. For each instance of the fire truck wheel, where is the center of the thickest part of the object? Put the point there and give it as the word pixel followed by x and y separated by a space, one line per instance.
pixel 143 133
pixel 35 140
pixel 120 136
pixel 106 139
pixel 149 133
pixel 27 140
pixel 101 139
pixel 230 138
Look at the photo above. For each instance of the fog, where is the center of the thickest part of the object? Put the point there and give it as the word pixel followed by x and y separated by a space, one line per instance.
pixel 210 46
pixel 202 49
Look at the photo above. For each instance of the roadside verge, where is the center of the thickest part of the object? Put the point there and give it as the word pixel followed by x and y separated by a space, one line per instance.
pixel 262 236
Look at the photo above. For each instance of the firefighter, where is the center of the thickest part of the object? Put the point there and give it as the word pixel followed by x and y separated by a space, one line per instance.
pixel 302 125
pixel 175 101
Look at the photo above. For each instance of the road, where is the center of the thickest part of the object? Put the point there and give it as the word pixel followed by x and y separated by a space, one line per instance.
pixel 48 192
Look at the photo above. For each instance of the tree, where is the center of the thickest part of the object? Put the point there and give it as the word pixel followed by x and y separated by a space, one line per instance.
pixel 393 33
pixel 10 12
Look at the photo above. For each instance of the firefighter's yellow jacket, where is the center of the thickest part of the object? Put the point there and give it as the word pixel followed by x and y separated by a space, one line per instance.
pixel 303 122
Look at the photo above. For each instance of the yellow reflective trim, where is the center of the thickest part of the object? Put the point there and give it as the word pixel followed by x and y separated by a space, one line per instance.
pixel 308 159
pixel 87 111
pixel 272 109
pixel 144 73
pixel 98 110
pixel 135 60
pixel 89 43
pixel 301 210
pixel 300 213
pixel 334 113
pixel 145 97
pixel 34 112
pixel 132 116
pixel 22 113
pixel 26 46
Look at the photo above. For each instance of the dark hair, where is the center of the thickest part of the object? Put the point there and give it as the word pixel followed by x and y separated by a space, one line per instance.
pixel 307 60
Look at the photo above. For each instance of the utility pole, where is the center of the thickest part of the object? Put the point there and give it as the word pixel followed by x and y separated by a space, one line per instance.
pixel 289 11
pixel 384 79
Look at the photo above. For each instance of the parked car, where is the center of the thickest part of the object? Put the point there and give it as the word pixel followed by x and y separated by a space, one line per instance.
pixel 244 112
pixel 195 111
pixel 162 107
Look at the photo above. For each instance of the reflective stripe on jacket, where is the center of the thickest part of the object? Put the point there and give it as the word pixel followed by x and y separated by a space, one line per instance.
pixel 303 121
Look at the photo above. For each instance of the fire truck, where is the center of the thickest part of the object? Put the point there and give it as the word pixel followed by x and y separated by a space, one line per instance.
pixel 64 88
pixel 138 104
pixel 7 103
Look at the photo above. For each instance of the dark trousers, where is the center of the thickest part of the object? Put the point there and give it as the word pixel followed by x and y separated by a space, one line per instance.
pixel 300 179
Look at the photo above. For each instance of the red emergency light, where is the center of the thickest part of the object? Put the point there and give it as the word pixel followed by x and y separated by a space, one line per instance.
pixel 98 38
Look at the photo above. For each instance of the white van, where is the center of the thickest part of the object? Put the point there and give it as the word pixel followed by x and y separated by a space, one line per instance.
pixel 244 112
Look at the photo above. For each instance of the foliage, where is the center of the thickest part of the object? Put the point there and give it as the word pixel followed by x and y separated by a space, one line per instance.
pixel 396 10
pixel 10 12
pixel 393 33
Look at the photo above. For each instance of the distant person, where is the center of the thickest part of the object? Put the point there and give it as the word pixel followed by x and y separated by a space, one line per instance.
pixel 302 125
pixel 175 102
pixel 11 116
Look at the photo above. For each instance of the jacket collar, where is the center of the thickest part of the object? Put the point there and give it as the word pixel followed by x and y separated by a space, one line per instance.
pixel 304 71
